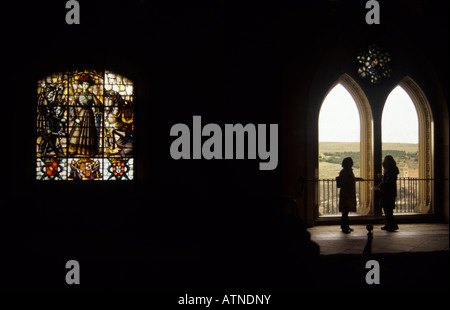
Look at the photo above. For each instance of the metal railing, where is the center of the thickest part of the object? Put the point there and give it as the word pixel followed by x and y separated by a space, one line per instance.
pixel 408 195
pixel 329 197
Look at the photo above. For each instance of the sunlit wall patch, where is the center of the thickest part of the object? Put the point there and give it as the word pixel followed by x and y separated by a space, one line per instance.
pixel 85 126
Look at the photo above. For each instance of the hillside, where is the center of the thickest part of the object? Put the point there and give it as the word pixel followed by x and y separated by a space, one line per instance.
pixel 331 155
pixel 333 147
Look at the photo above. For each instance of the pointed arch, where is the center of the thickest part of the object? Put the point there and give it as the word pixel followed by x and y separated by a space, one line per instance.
pixel 366 139
pixel 426 138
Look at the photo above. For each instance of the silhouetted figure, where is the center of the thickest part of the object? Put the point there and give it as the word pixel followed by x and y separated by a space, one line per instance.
pixel 388 187
pixel 368 248
pixel 347 194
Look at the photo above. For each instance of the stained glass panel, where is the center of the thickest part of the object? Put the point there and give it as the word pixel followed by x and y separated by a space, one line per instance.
pixel 85 126
pixel 374 64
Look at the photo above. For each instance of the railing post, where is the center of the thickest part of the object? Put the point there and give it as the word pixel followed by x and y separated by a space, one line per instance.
pixel 328 197
pixel 336 195
pixel 323 198
pixel 408 195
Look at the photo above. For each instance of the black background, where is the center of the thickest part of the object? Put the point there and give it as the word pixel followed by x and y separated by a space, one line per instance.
pixel 182 224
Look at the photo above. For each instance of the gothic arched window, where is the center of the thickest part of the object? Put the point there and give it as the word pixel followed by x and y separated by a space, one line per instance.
pixel 345 129
pixel 85 126
pixel 408 121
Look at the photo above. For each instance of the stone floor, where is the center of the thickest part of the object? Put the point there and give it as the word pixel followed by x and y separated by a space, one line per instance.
pixel 409 238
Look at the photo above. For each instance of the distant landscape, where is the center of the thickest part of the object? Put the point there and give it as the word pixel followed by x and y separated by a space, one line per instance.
pixel 354 147
pixel 331 155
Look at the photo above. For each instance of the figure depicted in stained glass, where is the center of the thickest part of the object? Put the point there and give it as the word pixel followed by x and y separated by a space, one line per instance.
pixel 51 121
pixel 83 139
pixel 85 126
pixel 119 125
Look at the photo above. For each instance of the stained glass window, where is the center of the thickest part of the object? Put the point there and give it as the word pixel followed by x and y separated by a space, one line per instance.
pixel 374 64
pixel 85 126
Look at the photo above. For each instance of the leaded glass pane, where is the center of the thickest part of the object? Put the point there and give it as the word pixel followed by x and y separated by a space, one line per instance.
pixel 85 126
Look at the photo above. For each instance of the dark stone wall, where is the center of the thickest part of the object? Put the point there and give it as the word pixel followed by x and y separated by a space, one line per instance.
pixel 228 61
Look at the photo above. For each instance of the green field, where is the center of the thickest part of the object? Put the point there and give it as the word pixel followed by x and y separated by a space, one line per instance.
pixel 333 147
pixel 331 155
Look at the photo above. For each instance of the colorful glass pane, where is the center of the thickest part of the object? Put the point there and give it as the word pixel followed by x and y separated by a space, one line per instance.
pixel 374 64
pixel 85 126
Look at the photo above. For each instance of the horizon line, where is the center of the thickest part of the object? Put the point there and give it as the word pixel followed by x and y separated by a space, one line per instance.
pixel 360 142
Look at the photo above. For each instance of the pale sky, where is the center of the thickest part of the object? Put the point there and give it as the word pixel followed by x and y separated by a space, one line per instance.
pixel 339 118
pixel 400 122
